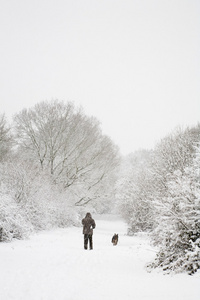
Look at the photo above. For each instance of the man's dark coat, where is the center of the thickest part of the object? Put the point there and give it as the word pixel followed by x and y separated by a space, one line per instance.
pixel 88 224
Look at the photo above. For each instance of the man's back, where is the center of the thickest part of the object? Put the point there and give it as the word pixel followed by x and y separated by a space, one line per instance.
pixel 88 224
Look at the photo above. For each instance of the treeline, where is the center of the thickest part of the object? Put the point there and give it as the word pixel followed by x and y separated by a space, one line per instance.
pixel 159 192
pixel 54 160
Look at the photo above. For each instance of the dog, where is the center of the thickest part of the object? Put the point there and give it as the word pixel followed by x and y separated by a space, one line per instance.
pixel 115 239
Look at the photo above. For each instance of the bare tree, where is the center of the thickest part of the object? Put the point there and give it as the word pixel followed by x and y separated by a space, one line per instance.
pixel 5 138
pixel 67 144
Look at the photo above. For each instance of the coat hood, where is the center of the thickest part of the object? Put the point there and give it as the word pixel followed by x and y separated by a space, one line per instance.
pixel 88 215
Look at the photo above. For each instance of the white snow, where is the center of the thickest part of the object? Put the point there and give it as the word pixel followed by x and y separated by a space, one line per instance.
pixel 54 266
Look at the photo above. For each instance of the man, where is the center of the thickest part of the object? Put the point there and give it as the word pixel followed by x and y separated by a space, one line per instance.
pixel 88 226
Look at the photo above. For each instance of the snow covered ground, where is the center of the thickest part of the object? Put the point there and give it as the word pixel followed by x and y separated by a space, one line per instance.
pixel 53 266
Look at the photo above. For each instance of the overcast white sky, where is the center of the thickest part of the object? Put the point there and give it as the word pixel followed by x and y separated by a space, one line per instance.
pixel 133 64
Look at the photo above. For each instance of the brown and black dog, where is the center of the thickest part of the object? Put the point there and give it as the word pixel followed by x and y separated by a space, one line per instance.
pixel 115 239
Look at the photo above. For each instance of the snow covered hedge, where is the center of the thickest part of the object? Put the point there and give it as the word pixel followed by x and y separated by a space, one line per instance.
pixel 160 192
pixel 179 254
pixel 179 223
pixel 29 202
pixel 13 221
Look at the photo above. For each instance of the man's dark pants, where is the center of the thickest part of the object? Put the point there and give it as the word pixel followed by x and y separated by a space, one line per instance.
pixel 86 238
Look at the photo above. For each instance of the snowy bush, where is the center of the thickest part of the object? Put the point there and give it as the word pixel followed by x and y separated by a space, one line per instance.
pixel 13 221
pixel 50 208
pixel 31 201
pixel 178 254
pixel 178 229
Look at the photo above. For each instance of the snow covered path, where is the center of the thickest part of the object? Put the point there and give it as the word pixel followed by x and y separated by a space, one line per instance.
pixel 53 266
